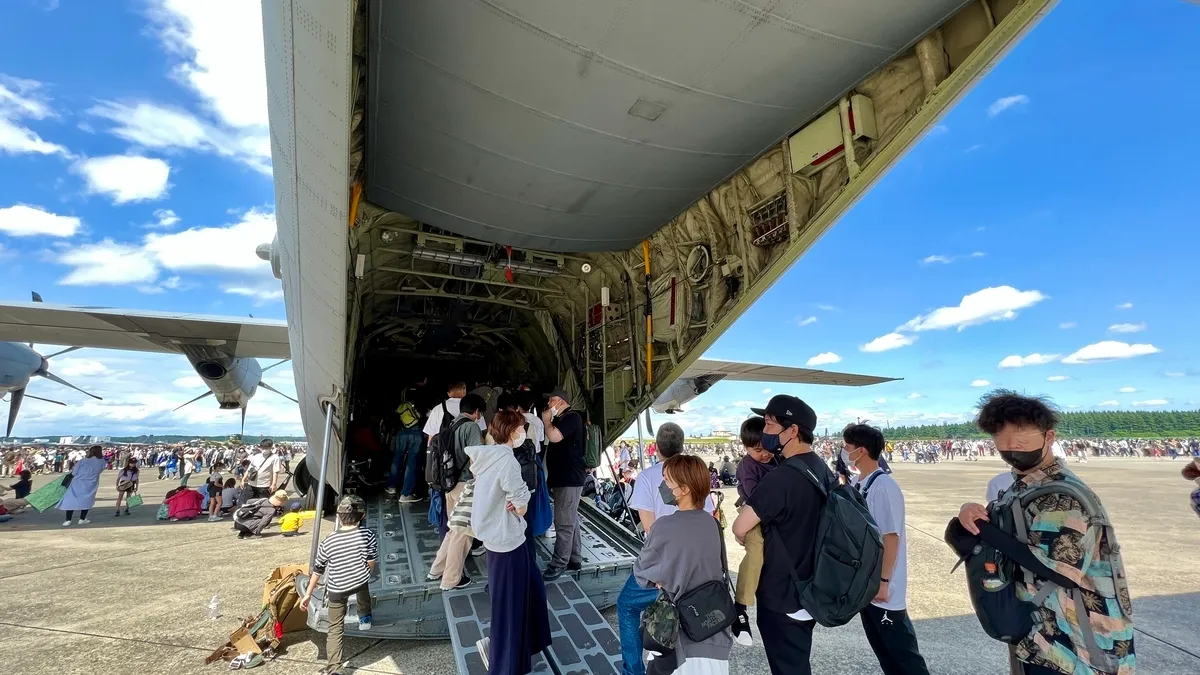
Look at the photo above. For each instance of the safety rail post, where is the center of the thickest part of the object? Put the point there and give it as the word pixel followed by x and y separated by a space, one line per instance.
pixel 320 487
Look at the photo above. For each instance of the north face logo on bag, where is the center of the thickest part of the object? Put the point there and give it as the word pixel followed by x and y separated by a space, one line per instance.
pixel 714 618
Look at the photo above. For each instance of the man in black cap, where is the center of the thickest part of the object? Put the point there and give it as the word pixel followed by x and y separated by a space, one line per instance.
pixel 565 473
pixel 788 506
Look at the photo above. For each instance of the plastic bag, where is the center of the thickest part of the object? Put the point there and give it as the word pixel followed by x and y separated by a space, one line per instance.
pixel 134 501
pixel 48 496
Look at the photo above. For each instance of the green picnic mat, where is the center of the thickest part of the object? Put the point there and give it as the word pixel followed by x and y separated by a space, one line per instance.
pixel 48 496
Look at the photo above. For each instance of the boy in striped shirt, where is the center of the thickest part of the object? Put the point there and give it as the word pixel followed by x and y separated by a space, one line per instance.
pixel 347 559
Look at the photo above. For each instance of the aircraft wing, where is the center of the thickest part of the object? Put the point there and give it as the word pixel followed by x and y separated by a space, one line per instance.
pixel 141 331
pixel 757 372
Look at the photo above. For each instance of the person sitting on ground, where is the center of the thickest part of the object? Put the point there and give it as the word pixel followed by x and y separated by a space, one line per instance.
pixel 127 484
pixel 20 490
pixel 347 559
pixel 728 470
pixel 250 520
pixel 1190 472
pixel 289 524
pixel 230 496
pixel 684 551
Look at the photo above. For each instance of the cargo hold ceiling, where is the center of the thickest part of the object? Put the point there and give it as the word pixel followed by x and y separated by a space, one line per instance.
pixel 584 125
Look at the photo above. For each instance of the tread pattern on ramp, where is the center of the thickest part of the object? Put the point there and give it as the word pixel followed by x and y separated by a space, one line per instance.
pixel 583 643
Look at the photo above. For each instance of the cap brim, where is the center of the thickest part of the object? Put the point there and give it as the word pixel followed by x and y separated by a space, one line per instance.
pixel 761 412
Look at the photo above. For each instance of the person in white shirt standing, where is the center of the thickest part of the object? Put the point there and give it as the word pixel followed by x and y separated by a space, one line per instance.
pixel 266 472
pixel 885 620
pixel 442 415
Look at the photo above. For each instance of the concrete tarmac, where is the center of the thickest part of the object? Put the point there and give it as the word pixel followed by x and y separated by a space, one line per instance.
pixel 131 594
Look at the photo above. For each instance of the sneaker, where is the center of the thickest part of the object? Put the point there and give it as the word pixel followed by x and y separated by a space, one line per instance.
pixel 483 646
pixel 126 511
pixel 390 490
pixel 741 630
pixel 85 521
pixel 478 551
pixel 552 573
pixel 550 534
pixel 409 499
pixel 463 582
pixel 430 577
pixel 117 514
pixel 66 523
pixel 364 622
pixel 574 567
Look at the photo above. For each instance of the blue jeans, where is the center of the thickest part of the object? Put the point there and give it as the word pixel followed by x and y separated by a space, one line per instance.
pixel 630 604
pixel 405 444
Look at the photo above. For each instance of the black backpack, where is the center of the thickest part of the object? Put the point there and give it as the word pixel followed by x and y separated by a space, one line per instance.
pixel 441 462
pixel 527 458
pixel 849 556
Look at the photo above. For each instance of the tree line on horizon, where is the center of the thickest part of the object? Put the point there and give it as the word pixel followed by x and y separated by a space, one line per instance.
pixel 1097 424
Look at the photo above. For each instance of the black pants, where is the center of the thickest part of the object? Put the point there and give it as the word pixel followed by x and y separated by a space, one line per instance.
pixel 82 514
pixel 894 641
pixel 258 492
pixel 788 642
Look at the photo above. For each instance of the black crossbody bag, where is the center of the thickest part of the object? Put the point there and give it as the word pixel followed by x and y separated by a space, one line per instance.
pixel 708 608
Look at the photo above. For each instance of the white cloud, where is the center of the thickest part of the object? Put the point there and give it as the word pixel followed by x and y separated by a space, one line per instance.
pixel 27 221
pixel 108 262
pixel 880 401
pixel 1001 104
pixel 914 395
pixel 1073 406
pixel 971 149
pixel 1057 378
pixel 1127 327
pixel 1127 390
pixel 1110 403
pixel 888 342
pixel 1110 350
pixel 217 48
pixel 165 219
pixel 826 307
pixel 805 321
pixel 1068 325
pixel 1125 305
pixel 824 358
pixel 226 251
pixel 766 391
pixel 76 367
pixel 980 383
pixel 125 178
pixel 1174 373
pixel 978 254
pixel 189 382
pixel 998 303
pixel 1153 401
pixel 22 100
pixel 939 130
pixel 1035 359
pixel 929 260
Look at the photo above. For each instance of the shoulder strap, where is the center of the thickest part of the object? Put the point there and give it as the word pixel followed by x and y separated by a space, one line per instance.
pixel 866 485
pixel 724 559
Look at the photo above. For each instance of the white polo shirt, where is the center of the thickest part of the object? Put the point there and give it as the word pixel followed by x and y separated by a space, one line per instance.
pixel 646 497
pixel 434 424
pixel 885 501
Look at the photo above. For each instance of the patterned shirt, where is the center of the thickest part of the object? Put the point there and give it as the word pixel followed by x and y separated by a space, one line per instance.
pixel 1060 537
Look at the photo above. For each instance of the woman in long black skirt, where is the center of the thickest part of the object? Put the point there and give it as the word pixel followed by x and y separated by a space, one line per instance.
pixel 520 619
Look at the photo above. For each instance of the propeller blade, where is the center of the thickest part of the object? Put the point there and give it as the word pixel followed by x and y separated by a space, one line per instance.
pixel 207 393
pixel 46 400
pixel 68 349
pixel 268 387
pixel 14 407
pixel 280 363
pixel 243 433
pixel 54 378
pixel 37 297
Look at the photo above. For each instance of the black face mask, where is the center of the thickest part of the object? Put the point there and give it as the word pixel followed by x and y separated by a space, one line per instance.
pixel 1023 460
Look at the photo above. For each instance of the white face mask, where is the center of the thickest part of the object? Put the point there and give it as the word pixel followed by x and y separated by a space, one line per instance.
pixel 519 440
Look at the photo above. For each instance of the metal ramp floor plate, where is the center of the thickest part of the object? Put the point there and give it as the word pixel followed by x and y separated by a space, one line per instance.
pixel 583 643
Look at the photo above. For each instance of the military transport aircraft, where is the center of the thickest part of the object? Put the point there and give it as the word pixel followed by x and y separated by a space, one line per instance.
pixel 580 192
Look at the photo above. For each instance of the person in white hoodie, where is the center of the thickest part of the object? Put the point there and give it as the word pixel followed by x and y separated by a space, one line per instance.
pixel 520 621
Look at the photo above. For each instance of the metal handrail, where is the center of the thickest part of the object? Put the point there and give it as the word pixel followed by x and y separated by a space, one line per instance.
pixel 320 487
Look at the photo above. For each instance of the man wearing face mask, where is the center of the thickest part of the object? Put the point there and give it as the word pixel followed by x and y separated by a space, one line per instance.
pixel 565 475
pixel 788 506
pixel 885 620
pixel 1075 632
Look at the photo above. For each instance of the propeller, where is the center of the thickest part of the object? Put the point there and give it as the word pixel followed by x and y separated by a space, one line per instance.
pixel 14 407
pixel 268 387
pixel 207 393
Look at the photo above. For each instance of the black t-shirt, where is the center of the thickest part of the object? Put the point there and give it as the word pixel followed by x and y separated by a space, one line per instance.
pixel 789 506
pixel 564 460
pixel 22 488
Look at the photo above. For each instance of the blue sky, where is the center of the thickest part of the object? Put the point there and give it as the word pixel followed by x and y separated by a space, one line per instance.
pixel 135 172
